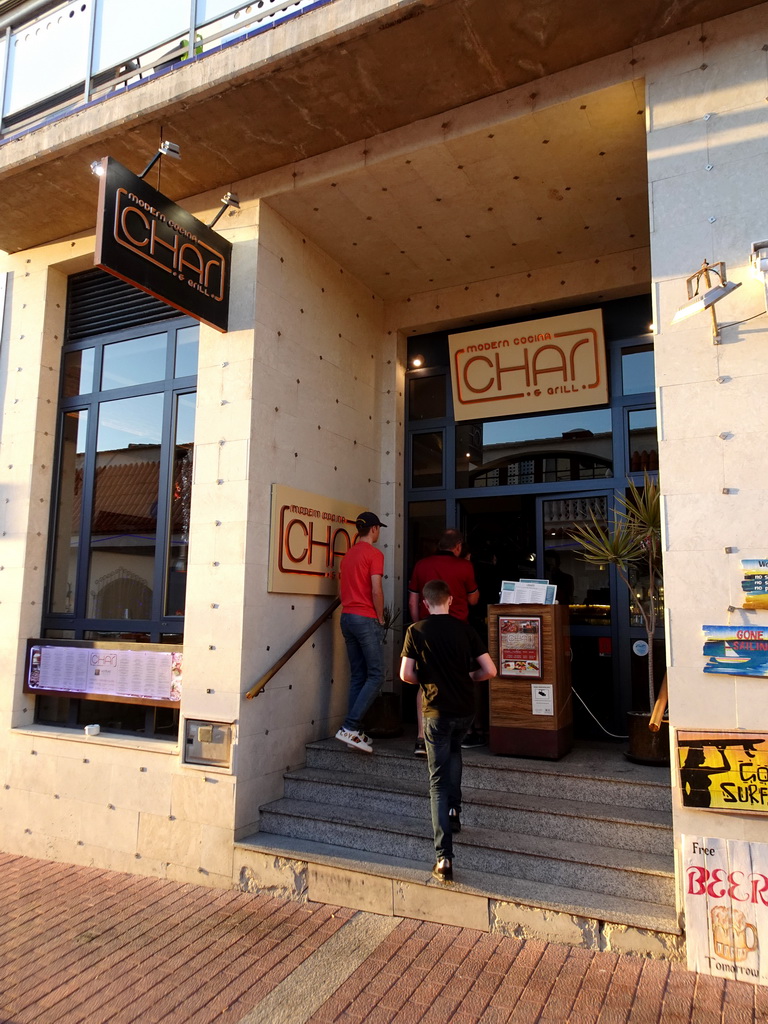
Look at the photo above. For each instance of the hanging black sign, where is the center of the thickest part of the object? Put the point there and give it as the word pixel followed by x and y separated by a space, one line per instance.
pixel 147 240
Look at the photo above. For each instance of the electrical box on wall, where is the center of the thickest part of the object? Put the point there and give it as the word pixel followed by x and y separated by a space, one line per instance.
pixel 208 743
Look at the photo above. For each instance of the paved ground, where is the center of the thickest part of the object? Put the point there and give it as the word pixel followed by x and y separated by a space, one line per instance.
pixel 85 945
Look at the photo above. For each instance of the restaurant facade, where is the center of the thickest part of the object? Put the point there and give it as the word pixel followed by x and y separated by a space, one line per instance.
pixel 442 290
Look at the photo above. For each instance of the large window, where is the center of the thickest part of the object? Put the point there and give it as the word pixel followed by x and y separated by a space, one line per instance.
pixel 120 530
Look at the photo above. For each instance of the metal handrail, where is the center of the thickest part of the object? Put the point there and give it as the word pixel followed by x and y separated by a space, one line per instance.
pixel 259 685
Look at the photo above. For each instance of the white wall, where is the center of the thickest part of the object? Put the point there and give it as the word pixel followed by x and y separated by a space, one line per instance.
pixel 707 150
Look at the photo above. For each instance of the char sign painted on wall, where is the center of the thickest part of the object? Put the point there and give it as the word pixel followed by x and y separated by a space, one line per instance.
pixel 146 239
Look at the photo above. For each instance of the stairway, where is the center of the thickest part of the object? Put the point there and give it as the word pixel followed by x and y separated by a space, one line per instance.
pixel 579 850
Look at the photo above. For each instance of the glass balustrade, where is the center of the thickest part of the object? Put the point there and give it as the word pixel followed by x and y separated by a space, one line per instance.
pixel 91 49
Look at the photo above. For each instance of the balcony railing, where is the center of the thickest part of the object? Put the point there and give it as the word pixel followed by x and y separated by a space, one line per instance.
pixel 87 50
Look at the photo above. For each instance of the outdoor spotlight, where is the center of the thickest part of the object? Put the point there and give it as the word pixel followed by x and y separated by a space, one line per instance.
pixel 699 300
pixel 164 149
pixel 228 199
pixel 97 168
pixel 758 260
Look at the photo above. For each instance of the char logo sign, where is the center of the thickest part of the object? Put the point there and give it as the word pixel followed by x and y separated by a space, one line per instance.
pixel 541 365
pixel 149 241
pixel 310 534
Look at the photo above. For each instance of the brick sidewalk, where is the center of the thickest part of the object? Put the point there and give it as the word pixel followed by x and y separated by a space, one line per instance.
pixel 85 945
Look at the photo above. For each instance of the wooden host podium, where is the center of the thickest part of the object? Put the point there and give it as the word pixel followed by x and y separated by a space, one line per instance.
pixel 527 720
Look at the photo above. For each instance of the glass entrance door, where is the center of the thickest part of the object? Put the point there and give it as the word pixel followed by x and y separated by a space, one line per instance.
pixel 528 537
pixel 587 590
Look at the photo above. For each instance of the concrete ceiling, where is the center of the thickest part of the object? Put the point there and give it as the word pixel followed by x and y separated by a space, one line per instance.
pixel 543 190
pixel 555 185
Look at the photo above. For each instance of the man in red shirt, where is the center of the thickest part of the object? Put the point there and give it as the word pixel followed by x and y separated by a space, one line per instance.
pixel 362 626
pixel 446 565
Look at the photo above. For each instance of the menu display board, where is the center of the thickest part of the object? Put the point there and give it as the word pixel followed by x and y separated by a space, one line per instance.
pixel 520 646
pixel 149 674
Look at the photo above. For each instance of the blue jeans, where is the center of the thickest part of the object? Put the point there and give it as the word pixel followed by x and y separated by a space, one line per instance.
pixel 443 738
pixel 363 637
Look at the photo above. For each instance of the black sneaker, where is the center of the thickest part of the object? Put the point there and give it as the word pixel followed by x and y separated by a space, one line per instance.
pixel 455 820
pixel 472 739
pixel 443 870
pixel 420 750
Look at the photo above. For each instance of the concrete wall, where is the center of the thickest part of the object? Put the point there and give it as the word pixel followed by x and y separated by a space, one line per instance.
pixel 299 392
pixel 707 148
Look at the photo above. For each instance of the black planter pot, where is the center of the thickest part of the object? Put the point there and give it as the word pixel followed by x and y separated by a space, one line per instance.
pixel 646 747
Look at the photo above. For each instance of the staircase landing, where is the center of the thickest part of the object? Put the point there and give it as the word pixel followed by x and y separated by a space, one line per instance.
pixel 578 850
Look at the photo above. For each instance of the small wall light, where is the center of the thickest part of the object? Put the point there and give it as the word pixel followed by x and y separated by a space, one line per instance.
pixel 758 260
pixel 228 199
pixel 97 168
pixel 699 299
pixel 164 149
pixel 416 362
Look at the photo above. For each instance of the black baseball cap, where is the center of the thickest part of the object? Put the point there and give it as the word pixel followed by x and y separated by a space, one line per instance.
pixel 369 519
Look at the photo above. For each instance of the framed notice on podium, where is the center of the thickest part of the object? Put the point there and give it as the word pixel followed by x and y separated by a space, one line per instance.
pixel 520 646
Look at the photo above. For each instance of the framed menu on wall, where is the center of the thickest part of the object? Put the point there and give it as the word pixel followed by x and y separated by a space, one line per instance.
pixel 520 646
pixel 103 670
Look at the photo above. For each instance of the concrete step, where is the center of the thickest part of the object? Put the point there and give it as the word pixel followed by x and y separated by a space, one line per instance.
pixel 628 828
pixel 593 773
pixel 647 877
pixel 385 884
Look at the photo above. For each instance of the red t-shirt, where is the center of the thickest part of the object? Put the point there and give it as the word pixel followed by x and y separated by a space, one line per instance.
pixel 362 561
pixel 456 572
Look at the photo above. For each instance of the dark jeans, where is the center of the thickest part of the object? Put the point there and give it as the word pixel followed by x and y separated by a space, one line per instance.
pixel 443 738
pixel 363 637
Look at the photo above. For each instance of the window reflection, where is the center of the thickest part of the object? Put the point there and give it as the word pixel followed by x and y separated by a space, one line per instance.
pixel 187 340
pixel 426 397
pixel 78 373
pixel 643 441
pixel 427 459
pixel 124 516
pixel 68 507
pixel 535 449
pixel 581 585
pixel 637 370
pixel 181 498
pixel 137 361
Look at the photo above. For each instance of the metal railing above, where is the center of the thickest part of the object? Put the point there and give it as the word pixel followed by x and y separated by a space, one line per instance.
pixel 84 50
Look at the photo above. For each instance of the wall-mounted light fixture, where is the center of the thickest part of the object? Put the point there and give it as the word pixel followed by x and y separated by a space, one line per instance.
pixel 702 294
pixel 758 260
pixel 416 362
pixel 164 149
pixel 228 199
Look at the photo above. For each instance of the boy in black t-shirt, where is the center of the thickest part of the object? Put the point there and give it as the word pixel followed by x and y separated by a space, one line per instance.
pixel 438 654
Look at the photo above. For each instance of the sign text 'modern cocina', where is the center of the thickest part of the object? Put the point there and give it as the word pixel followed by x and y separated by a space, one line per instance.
pixel 538 366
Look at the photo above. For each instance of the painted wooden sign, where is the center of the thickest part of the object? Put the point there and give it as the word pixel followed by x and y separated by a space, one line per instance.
pixel 724 771
pixel 726 907
pixel 736 650
pixel 755 582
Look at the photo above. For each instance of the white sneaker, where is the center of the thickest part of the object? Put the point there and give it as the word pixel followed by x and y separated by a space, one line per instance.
pixel 354 739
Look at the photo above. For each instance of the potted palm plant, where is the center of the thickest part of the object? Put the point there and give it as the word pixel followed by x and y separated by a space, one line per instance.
pixel 633 545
